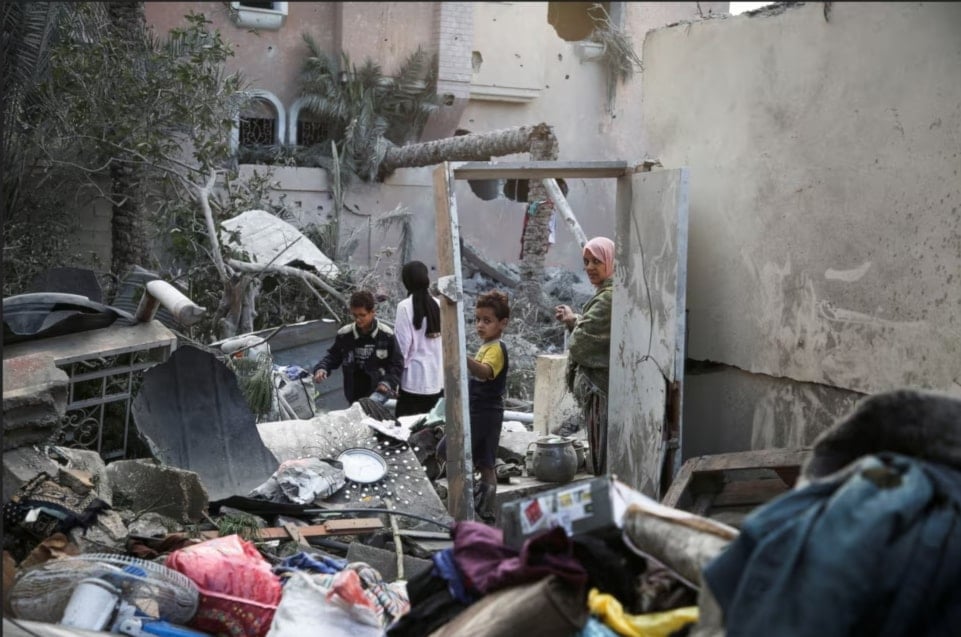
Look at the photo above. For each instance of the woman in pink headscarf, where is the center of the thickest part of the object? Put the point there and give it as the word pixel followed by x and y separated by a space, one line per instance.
pixel 589 355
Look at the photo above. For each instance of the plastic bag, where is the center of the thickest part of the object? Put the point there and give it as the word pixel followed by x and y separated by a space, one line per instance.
pixel 295 396
pixel 303 481
pixel 228 565
pixel 335 604
pixel 238 588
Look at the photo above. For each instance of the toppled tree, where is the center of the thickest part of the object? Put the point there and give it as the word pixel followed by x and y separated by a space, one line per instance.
pixel 539 141
pixel 152 134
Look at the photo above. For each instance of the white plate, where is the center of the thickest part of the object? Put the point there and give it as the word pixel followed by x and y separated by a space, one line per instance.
pixel 363 465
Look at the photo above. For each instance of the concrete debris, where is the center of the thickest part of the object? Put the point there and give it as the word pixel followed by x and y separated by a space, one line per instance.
pixel 513 445
pixel 107 535
pixel 21 465
pixel 34 399
pixel 270 239
pixel 143 485
pixel 88 462
pixel 150 524
pixel 386 561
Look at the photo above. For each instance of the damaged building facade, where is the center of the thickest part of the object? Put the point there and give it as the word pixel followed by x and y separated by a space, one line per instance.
pixel 823 251
pixel 813 150
pixel 825 239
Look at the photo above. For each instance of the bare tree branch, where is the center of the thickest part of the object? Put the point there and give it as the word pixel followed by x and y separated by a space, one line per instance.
pixel 244 266
pixel 203 196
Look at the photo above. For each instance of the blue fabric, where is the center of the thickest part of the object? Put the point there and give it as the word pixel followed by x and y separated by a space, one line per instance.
pixel 446 568
pixel 874 549
pixel 311 563
pixel 595 628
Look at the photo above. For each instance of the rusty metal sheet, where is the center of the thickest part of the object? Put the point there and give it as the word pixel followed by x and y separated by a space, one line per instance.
pixel 194 416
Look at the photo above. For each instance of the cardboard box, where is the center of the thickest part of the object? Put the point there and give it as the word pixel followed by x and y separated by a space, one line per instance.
pixel 589 506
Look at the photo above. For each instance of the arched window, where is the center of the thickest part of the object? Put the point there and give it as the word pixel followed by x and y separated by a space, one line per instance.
pixel 306 129
pixel 261 121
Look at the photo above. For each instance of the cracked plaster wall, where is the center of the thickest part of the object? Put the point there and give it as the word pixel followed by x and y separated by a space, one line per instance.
pixel 825 216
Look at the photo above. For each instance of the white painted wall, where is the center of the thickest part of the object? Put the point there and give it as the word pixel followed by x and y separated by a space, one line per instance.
pixel 825 228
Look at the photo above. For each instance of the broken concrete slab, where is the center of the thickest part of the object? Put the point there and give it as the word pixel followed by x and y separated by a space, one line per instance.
pixel 270 239
pixel 22 465
pixel 89 462
pixel 34 399
pixel 143 485
pixel 327 435
pixel 385 562
pixel 107 535
pixel 193 415
pixel 151 524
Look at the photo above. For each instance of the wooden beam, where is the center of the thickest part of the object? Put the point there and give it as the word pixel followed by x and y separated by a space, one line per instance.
pixel 460 464
pixel 355 526
pixel 475 260
pixel 542 169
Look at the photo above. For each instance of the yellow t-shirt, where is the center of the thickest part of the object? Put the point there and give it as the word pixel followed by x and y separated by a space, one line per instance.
pixel 491 354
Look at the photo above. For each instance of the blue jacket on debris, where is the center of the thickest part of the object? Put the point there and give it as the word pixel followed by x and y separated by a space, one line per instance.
pixel 868 544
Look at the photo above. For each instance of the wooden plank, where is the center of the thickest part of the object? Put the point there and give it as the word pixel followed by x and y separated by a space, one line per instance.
pixel 753 492
pixel 679 485
pixel 713 475
pixel 542 169
pixel 758 459
pixel 460 464
pixel 330 527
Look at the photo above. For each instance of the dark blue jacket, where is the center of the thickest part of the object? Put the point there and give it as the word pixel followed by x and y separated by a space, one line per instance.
pixel 368 360
pixel 874 549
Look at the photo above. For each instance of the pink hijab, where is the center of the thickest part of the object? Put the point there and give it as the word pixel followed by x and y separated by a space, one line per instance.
pixel 602 249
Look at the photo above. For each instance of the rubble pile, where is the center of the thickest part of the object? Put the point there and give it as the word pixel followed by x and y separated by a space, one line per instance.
pixel 275 528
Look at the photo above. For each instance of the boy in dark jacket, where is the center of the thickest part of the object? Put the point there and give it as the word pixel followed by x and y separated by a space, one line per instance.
pixel 368 352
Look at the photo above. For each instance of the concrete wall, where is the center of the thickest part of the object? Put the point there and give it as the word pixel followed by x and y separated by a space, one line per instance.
pixel 825 232
pixel 270 59
pixel 572 100
pixel 519 49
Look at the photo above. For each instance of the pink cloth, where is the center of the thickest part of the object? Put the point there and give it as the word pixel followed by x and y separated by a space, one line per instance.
pixel 602 249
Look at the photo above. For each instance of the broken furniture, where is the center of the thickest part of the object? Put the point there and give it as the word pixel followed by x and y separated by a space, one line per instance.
pixel 728 486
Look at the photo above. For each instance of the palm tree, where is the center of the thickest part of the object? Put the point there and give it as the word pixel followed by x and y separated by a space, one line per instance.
pixel 366 111
pixel 539 141
pixel 128 226
pixel 28 30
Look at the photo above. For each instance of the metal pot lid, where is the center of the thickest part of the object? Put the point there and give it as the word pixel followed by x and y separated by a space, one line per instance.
pixel 363 465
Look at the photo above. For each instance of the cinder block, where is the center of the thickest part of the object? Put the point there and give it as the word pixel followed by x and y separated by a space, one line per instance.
pixel 552 402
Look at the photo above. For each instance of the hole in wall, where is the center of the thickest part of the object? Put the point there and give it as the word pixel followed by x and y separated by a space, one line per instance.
pixel 476 59
pixel 571 20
